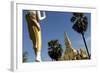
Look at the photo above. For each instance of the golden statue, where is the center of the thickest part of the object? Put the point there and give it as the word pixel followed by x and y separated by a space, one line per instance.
pixel 33 17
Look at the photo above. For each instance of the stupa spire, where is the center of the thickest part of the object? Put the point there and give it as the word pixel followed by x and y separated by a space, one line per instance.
pixel 67 41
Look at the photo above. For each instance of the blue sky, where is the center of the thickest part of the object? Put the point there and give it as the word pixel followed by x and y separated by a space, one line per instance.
pixel 53 27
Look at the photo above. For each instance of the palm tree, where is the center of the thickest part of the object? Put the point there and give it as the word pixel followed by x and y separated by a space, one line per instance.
pixel 80 24
pixel 54 50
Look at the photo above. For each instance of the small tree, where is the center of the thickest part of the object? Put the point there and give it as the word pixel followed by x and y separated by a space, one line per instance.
pixel 54 50
pixel 25 58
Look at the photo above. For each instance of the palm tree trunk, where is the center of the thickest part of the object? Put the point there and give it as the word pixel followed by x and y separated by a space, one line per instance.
pixel 85 45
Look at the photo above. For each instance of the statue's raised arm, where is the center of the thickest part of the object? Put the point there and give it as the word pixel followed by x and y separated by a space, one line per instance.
pixel 41 15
